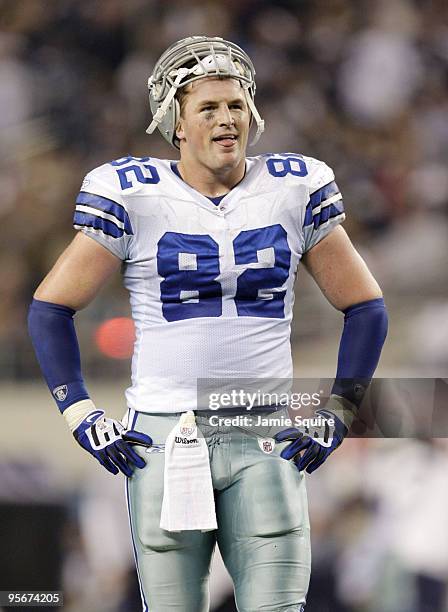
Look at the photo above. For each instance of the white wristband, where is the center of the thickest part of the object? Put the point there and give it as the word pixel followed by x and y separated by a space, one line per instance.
pixel 76 413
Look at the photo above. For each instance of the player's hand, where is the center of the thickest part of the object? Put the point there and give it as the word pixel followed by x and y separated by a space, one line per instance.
pixel 109 442
pixel 317 443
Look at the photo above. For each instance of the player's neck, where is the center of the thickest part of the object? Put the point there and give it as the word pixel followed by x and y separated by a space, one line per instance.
pixel 211 183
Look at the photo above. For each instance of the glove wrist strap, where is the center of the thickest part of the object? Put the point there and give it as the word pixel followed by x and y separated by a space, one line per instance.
pixel 76 413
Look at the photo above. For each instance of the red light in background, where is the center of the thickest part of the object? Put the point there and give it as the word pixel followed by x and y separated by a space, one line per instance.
pixel 115 338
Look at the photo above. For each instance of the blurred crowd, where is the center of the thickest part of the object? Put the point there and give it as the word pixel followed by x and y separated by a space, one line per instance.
pixel 362 85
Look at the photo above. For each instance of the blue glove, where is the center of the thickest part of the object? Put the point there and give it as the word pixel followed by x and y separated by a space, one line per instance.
pixel 109 442
pixel 318 444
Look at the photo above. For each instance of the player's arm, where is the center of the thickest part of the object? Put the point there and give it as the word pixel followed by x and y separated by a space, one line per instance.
pixel 349 286
pixel 74 281
pixel 79 274
pixel 340 272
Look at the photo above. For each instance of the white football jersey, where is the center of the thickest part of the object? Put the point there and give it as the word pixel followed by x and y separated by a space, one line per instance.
pixel 211 286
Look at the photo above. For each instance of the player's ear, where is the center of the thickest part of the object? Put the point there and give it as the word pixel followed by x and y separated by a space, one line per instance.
pixel 180 133
pixel 179 127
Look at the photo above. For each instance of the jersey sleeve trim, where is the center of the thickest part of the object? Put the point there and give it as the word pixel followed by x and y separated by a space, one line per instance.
pixel 325 203
pixel 108 212
pixel 323 193
pixel 83 220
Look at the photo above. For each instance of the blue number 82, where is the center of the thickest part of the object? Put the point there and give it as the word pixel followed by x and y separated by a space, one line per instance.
pixel 148 175
pixel 189 265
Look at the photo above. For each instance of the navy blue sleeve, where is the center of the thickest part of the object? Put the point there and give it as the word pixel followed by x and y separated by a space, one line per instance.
pixel 53 335
pixel 365 330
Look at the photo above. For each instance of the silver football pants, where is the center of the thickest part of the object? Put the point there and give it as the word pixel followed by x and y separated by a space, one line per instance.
pixel 262 515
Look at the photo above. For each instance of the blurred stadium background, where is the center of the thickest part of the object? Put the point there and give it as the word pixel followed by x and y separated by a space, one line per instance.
pixel 362 85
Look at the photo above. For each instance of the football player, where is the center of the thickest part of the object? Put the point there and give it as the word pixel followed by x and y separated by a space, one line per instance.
pixel 209 246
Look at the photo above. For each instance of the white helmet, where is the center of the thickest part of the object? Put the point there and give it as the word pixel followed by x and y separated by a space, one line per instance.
pixel 191 59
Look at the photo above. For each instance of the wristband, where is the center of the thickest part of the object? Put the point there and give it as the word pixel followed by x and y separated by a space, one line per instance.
pixel 76 413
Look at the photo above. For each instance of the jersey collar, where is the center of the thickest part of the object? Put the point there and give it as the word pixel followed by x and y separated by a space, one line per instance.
pixel 215 201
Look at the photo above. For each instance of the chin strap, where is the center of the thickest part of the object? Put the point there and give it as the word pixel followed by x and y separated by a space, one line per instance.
pixel 255 114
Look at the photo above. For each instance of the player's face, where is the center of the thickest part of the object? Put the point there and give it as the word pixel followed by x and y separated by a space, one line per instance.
pixel 214 124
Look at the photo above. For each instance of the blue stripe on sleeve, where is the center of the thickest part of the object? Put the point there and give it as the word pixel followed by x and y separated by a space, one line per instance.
pixel 308 215
pixel 323 194
pixel 107 227
pixel 325 214
pixel 328 213
pixel 106 205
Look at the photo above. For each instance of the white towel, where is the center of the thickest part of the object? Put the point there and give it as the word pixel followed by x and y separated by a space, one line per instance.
pixel 188 501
